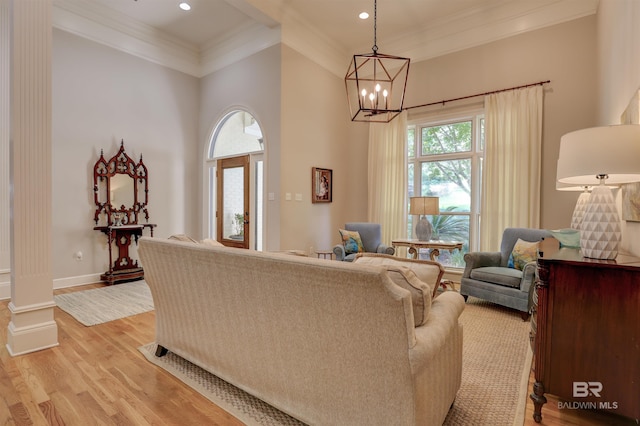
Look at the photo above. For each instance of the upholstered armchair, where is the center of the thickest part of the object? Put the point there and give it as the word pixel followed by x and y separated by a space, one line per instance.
pixel 370 235
pixel 505 277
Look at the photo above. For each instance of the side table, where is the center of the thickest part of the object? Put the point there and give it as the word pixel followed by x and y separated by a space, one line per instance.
pixel 434 245
pixel 326 254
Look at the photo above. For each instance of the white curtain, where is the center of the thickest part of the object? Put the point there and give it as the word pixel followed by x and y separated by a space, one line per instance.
pixel 511 181
pixel 387 177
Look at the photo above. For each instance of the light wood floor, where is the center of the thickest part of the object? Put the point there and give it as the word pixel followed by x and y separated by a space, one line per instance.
pixel 96 376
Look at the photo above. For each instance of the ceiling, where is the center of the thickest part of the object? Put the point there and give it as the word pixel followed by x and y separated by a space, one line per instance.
pixel 404 27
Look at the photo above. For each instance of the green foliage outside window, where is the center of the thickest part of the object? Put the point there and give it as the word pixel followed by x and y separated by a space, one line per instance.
pixel 447 138
pixel 443 168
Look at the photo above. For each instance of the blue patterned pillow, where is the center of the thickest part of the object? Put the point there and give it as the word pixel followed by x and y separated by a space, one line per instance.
pixel 351 241
pixel 523 253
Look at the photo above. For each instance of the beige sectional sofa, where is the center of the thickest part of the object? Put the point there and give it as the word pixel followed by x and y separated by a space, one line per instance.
pixel 330 343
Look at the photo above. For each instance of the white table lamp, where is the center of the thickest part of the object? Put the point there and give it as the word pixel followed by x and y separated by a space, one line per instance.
pixel 424 206
pixel 593 157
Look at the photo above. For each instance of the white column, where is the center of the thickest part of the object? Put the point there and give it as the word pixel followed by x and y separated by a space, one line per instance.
pixel 5 257
pixel 32 325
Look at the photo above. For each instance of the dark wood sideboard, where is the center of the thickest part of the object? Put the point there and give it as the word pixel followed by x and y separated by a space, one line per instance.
pixel 585 333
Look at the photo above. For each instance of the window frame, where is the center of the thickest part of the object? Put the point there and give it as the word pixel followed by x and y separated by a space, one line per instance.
pixel 475 154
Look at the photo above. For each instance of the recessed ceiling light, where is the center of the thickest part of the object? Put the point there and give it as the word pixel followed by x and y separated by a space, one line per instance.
pixel 185 6
pixel 363 15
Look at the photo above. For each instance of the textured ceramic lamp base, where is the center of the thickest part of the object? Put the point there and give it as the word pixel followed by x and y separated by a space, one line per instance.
pixel 600 230
pixel 424 230
pixel 578 211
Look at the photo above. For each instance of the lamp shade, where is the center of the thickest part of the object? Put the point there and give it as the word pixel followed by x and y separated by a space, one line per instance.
pixel 424 205
pixel 592 157
pixel 610 150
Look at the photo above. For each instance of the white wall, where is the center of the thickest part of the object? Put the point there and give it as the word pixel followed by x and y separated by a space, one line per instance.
pixel 564 54
pixel 101 96
pixel 619 77
pixel 252 84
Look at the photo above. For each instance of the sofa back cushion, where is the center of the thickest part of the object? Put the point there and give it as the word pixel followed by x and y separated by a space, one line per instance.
pixel 427 271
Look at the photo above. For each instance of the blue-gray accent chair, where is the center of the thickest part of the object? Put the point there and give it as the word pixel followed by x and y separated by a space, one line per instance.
pixel 371 236
pixel 488 277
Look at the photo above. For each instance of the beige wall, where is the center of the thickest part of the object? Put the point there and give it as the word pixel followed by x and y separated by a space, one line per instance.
pixel 564 54
pixel 316 132
pixel 619 77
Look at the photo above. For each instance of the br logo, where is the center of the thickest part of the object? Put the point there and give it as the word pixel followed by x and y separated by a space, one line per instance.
pixel 585 389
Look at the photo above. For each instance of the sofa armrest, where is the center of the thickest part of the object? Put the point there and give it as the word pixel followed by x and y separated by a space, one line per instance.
pixel 385 249
pixel 480 259
pixel 338 250
pixel 443 321
pixel 528 277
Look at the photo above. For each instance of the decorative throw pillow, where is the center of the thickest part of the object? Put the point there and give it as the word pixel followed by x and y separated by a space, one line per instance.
pixel 523 253
pixel 351 241
pixel 420 292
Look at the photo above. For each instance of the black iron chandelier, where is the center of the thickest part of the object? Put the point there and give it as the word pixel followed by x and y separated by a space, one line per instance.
pixel 376 83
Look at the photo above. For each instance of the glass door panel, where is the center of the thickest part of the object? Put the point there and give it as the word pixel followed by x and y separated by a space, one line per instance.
pixel 233 202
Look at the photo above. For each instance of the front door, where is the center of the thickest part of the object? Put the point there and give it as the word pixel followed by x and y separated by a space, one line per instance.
pixel 232 213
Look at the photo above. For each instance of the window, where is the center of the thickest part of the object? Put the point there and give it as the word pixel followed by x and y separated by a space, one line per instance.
pixel 445 161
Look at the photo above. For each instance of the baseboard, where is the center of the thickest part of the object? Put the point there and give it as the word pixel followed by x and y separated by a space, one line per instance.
pixel 76 281
pixel 5 286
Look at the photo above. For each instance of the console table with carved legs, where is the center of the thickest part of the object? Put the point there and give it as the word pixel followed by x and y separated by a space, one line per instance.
pixel 434 247
pixel 124 268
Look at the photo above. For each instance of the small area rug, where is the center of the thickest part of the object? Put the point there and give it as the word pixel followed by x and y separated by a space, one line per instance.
pixel 100 305
pixel 495 373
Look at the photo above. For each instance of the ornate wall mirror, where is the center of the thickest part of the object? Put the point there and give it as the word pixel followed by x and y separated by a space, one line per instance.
pixel 121 194
pixel 120 189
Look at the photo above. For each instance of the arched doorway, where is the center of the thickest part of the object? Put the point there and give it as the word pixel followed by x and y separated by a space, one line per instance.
pixel 235 181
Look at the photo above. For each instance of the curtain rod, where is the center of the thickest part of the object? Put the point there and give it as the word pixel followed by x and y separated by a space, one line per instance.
pixel 479 94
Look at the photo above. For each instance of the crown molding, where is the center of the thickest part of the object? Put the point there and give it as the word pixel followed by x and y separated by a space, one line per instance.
pixel 120 32
pixel 303 37
pixel 458 32
pixel 243 43
pixel 113 29
pixel 462 31
pixel 472 28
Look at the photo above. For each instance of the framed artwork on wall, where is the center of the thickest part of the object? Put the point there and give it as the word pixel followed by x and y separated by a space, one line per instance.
pixel 631 191
pixel 321 185
pixel 631 202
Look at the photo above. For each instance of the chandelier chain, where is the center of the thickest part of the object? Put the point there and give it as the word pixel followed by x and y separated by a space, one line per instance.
pixel 375 26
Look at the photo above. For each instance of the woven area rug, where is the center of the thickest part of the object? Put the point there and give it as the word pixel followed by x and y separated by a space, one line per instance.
pixel 496 364
pixel 100 305
pixel 495 373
